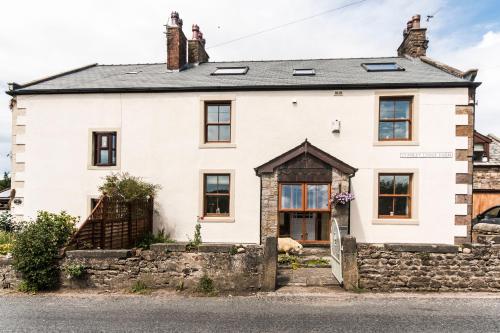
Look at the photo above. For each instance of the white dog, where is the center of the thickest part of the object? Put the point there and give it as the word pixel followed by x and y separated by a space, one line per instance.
pixel 289 245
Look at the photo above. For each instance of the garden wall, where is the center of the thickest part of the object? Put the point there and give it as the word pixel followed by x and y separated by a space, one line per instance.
pixel 236 268
pixel 413 267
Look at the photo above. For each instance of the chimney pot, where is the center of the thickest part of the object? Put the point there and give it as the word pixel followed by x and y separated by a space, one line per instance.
pixel 414 39
pixel 196 31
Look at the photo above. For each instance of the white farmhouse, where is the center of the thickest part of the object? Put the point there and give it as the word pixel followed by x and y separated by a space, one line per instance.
pixel 258 148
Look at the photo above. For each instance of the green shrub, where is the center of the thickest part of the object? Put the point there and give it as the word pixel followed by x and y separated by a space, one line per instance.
pixel 5 248
pixel 286 259
pixel 75 271
pixel 206 286
pixel 196 241
pixel 123 186
pixel 140 287
pixel 36 248
pixel 148 239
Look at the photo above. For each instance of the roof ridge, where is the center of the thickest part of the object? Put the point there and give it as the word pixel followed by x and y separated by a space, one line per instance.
pixel 307 59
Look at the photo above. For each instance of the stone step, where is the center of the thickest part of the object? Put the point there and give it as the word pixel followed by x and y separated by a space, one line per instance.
pixel 307 277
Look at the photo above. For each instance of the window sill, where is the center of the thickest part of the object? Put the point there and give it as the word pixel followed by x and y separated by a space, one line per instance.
pixel 96 167
pixel 216 219
pixel 217 145
pixel 395 221
pixel 396 143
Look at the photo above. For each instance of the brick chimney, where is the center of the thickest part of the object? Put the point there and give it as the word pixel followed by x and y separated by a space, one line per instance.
pixel 414 39
pixel 196 47
pixel 176 43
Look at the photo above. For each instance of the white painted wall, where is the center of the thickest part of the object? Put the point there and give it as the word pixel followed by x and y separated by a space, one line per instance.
pixel 160 142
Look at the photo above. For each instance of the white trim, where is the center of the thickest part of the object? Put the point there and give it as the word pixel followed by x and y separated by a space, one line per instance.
pixel 21 120
pixel 460 230
pixel 461 167
pixel 20 139
pixel 461 189
pixel 20 157
pixel 461 209
pixel 461 142
pixel 462 119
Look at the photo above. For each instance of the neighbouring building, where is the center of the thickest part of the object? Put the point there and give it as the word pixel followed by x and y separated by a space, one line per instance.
pixel 486 185
pixel 258 148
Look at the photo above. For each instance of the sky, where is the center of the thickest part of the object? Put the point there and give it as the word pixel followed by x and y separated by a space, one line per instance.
pixel 40 38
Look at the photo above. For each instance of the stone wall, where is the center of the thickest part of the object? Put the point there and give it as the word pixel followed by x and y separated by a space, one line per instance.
pixel 233 268
pixel 487 177
pixel 269 206
pixel 9 278
pixel 413 267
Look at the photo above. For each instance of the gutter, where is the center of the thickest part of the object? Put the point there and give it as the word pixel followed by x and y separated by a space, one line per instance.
pixel 20 90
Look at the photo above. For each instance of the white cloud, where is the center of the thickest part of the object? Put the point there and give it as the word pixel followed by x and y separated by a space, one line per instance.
pixel 482 56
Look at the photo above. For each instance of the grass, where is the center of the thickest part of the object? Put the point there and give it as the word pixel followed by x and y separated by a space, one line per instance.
pixel 140 287
pixel 317 262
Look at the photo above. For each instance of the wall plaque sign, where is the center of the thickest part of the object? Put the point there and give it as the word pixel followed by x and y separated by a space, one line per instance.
pixel 427 155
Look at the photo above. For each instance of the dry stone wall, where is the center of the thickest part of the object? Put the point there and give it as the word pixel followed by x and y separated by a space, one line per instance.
pixel 413 267
pixel 235 268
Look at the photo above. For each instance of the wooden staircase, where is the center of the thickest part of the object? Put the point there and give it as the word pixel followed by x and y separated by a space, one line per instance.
pixel 310 268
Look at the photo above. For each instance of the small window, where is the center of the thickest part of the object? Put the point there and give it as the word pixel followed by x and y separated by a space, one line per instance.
pixel 382 67
pixel 480 151
pixel 230 71
pixel 395 119
pixel 216 194
pixel 104 148
pixel 218 122
pixel 394 195
pixel 303 71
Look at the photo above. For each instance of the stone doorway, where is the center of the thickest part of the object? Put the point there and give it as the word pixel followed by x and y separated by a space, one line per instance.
pixel 304 164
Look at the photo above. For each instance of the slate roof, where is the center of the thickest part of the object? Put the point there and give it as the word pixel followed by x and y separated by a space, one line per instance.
pixel 262 75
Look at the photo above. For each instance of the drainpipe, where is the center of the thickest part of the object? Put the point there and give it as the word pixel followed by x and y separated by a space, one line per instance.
pixel 349 208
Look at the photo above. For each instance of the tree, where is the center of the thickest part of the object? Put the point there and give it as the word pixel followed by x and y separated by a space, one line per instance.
pixel 5 182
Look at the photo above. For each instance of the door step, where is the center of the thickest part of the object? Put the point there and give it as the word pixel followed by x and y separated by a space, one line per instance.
pixel 306 277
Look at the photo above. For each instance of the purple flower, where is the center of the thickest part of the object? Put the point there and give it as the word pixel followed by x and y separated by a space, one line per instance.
pixel 342 198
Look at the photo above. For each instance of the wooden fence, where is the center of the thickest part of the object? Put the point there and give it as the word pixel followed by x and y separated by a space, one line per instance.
pixel 114 224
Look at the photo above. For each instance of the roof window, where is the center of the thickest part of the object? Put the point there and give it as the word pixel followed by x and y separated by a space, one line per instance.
pixel 230 70
pixel 382 67
pixel 303 71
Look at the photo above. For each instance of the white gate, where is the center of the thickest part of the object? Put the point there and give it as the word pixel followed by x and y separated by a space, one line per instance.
pixel 336 249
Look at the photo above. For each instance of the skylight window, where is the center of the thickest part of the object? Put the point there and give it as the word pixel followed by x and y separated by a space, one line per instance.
pixel 303 71
pixel 382 67
pixel 230 70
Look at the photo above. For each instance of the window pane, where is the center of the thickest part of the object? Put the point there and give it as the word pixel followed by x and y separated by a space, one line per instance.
pixel 385 205
pixel 113 141
pixel 211 184
pixel 317 196
pixel 401 130
pixel 402 184
pixel 104 157
pixel 217 204
pixel 224 114
pixel 212 133
pixel 212 113
pixel 385 130
pixel 291 196
pixel 223 186
pixel 478 147
pixel 386 109
pixel 386 184
pixel 104 141
pixel 224 133
pixel 113 157
pixel 401 206
pixel 402 110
